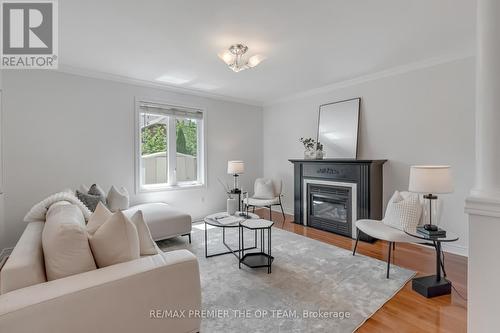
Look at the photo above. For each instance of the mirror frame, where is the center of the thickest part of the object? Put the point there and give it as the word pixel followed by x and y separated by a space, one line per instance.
pixel 357 123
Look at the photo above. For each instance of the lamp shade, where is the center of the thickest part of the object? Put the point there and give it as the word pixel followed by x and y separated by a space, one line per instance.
pixel 235 167
pixel 430 179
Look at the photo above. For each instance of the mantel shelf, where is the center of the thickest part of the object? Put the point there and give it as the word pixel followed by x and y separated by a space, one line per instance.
pixel 336 160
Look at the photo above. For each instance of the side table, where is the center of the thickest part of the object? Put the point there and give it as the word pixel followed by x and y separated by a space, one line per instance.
pixel 256 259
pixel 433 285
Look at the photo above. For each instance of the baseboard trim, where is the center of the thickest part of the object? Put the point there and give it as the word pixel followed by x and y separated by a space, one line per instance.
pixel 447 247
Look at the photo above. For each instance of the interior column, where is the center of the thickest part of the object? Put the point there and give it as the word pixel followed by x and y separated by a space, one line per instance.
pixel 483 205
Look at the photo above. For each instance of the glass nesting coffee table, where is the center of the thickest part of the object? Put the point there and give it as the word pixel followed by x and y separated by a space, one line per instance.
pixel 223 220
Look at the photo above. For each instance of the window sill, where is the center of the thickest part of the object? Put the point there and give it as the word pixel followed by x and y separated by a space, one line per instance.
pixel 165 188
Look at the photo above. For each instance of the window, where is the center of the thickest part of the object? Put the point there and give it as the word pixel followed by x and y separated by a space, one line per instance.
pixel 170 147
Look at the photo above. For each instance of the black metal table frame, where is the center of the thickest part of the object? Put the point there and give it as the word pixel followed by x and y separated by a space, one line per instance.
pixel 230 250
pixel 440 276
pixel 241 252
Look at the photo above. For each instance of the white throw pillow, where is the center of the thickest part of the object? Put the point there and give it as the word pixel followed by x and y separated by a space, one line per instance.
pixel 115 241
pixel 38 211
pixel 146 243
pixel 264 189
pixel 65 243
pixel 403 211
pixel 98 217
pixel 118 199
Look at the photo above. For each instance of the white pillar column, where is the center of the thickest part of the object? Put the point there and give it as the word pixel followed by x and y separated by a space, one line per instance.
pixel 483 205
pixel 488 99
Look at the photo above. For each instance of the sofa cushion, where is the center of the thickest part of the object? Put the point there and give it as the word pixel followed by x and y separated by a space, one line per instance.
pixel 163 220
pixel 118 199
pixel 65 243
pixel 146 244
pixel 89 200
pixel 98 217
pixel 25 266
pixel 97 190
pixel 115 241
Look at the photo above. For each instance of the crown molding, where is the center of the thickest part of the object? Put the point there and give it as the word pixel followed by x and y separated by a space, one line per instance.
pixel 152 84
pixel 394 71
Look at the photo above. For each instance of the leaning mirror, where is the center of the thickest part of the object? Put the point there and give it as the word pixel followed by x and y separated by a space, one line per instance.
pixel 338 128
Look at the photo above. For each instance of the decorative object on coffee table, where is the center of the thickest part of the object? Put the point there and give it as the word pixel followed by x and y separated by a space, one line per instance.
pixel 223 220
pixel 232 206
pixel 261 258
pixel 235 168
pixel 430 180
pixel 433 285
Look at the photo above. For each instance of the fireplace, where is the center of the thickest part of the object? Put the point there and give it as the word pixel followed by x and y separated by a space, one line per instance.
pixel 330 208
pixel 332 194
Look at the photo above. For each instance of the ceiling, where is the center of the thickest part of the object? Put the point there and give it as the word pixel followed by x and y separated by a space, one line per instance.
pixel 308 44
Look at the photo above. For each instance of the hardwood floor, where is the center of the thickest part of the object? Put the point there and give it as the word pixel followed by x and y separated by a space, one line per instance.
pixel 407 311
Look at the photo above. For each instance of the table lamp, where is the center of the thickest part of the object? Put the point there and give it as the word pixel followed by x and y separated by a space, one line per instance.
pixel 235 168
pixel 430 180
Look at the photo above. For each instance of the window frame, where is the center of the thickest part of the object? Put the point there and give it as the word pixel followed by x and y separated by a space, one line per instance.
pixel 171 158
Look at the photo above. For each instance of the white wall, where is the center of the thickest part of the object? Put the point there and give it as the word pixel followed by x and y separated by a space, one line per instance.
pixel 424 116
pixel 61 130
pixel 2 225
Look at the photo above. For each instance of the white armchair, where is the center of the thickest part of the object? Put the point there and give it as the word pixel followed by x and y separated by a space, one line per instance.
pixel 267 193
pixel 379 230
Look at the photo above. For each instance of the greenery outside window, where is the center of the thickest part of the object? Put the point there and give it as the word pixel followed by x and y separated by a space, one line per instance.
pixel 169 147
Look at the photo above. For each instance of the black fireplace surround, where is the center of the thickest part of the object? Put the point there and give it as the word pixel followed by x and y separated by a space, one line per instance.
pixel 329 207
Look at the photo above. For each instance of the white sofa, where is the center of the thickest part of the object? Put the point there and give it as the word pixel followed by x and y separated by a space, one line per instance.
pixel 119 298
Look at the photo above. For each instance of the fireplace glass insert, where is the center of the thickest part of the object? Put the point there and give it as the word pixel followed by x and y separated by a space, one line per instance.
pixel 330 208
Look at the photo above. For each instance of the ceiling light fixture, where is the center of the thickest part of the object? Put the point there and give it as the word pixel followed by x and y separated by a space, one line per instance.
pixel 233 57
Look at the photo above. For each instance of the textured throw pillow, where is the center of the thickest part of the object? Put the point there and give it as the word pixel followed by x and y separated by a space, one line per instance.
pixel 264 189
pixel 38 211
pixel 65 243
pixel 97 190
pixel 89 200
pixel 117 199
pixel 115 241
pixel 403 211
pixel 146 243
pixel 100 215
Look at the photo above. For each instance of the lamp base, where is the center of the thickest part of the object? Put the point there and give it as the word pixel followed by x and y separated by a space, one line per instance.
pixel 430 286
pixel 430 227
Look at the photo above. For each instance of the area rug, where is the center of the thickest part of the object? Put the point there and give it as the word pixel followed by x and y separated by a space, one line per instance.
pixel 313 287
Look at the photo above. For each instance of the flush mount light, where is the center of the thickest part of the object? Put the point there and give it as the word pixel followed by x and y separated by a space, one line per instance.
pixel 233 57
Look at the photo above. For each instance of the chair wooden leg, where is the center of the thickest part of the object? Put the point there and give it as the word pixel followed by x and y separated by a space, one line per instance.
pixel 393 246
pixel 253 209
pixel 270 214
pixel 389 259
pixel 357 239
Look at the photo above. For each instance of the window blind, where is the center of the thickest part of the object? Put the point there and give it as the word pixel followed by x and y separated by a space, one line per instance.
pixel 176 111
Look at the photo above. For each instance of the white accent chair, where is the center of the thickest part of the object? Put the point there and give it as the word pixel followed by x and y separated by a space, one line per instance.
pixel 379 230
pixel 273 199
